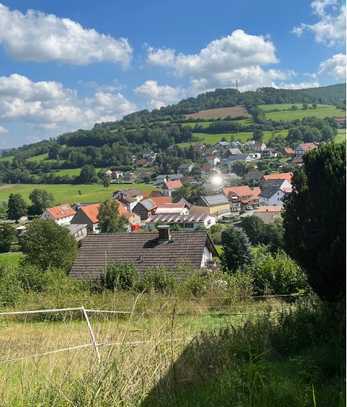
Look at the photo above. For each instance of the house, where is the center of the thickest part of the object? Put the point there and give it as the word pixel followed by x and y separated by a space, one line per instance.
pixel 269 153
pixel 274 191
pixel 148 206
pixel 278 176
pixel 257 146
pixel 170 186
pixel 234 151
pixel 242 197
pixel 171 250
pixel 186 168
pixel 341 121
pixel 178 208
pixel 87 215
pixel 213 161
pixel 217 204
pixel 268 214
pixel 304 148
pixel 129 197
pixel 253 176
pixel 288 152
pixel 61 214
pixel 186 221
pixel 79 232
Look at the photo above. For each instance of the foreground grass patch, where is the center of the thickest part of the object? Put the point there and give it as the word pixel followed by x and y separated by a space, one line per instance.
pixel 10 259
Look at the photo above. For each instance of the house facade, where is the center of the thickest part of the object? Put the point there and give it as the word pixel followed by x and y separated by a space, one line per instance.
pixel 61 215
pixel 217 204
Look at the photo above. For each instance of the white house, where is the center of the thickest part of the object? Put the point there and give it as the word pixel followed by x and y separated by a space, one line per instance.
pixel 274 191
pixel 62 214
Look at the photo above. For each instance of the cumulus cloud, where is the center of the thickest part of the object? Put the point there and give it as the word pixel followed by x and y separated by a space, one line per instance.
pixel 49 105
pixel 235 51
pixel 3 130
pixel 160 95
pixel 330 29
pixel 298 85
pixel 40 37
pixel 335 67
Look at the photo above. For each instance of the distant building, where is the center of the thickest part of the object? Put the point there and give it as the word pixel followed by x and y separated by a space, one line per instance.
pixel 278 176
pixel 129 197
pixel 170 186
pixel 61 214
pixel 79 232
pixel 274 191
pixel 217 204
pixel 268 214
pixel 88 215
pixel 304 148
pixel 242 197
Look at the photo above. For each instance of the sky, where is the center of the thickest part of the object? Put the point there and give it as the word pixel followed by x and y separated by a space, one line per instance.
pixel 66 65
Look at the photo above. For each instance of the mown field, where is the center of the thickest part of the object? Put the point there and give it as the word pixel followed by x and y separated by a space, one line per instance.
pixel 340 136
pixel 69 192
pixel 219 113
pixel 274 112
pixel 241 136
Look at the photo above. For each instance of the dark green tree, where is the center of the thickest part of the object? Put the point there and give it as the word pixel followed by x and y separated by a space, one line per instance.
pixel 16 207
pixel 110 221
pixel 257 135
pixel 46 244
pixel 254 228
pixel 106 180
pixel 7 236
pixel 40 200
pixel 315 219
pixel 87 174
pixel 236 249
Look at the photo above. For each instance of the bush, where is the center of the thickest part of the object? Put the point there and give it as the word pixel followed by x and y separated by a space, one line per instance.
pixel 32 278
pixel 195 285
pixel 236 249
pixel 159 280
pixel 10 288
pixel 120 277
pixel 275 273
pixel 7 236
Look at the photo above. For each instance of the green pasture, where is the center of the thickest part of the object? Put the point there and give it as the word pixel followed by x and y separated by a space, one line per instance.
pixel 283 112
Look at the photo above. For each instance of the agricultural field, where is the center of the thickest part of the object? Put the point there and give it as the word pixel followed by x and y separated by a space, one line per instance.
pixel 207 123
pixel 72 172
pixel 40 157
pixel 340 136
pixel 70 192
pixel 207 138
pixel 220 113
pixel 273 112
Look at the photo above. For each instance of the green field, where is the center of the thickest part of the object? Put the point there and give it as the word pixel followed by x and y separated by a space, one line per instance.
pixel 207 123
pixel 68 192
pixel 341 136
pixel 38 158
pixel 283 112
pixel 10 259
pixel 242 137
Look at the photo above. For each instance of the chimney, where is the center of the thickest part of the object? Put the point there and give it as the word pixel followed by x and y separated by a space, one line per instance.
pixel 164 233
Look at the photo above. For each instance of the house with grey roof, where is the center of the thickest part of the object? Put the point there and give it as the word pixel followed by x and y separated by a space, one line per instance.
pixel 274 191
pixel 171 250
pixel 217 204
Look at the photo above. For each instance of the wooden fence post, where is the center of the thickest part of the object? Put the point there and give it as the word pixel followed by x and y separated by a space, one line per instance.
pixel 91 332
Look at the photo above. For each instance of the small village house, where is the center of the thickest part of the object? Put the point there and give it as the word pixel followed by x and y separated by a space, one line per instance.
pixel 268 214
pixel 61 214
pixel 242 197
pixel 217 204
pixel 304 148
pixel 274 191
pixel 170 186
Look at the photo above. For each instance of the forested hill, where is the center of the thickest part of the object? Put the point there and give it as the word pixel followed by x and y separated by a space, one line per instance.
pixel 333 94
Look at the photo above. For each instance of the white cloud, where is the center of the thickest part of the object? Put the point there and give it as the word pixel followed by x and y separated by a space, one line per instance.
pixel 334 67
pixel 49 105
pixel 158 95
pixel 299 85
pixel 3 130
pixel 235 51
pixel 330 29
pixel 40 37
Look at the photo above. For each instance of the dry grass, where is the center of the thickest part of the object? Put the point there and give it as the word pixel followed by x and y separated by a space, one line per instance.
pixel 219 113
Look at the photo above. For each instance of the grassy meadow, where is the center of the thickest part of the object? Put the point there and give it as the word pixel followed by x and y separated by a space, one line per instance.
pixel 70 192
pixel 168 353
pixel 10 259
pixel 283 112
pixel 340 136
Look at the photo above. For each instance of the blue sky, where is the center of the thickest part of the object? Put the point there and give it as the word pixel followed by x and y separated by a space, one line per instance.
pixel 65 65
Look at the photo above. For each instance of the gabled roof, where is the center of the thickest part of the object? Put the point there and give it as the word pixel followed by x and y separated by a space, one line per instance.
pixel 61 211
pixel 279 176
pixel 307 146
pixel 269 209
pixel 269 188
pixel 213 200
pixel 160 200
pixel 175 184
pixel 242 191
pixel 91 211
pixel 143 250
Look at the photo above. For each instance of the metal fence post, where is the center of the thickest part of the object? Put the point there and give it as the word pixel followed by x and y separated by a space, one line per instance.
pixel 91 332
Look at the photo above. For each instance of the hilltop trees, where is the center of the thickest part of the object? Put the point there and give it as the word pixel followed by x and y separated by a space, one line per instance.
pixel 315 218
pixel 16 207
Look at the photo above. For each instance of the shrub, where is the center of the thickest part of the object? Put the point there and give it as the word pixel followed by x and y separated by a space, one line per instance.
pixel 10 288
pixel 195 285
pixel 32 278
pixel 120 277
pixel 7 236
pixel 275 273
pixel 160 280
pixel 236 249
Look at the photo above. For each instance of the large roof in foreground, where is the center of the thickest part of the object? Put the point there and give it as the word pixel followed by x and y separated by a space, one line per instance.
pixel 143 250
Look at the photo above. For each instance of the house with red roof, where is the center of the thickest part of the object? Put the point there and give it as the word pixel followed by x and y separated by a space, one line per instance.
pixel 304 148
pixel 268 214
pixel 242 197
pixel 171 185
pixel 275 176
pixel 61 214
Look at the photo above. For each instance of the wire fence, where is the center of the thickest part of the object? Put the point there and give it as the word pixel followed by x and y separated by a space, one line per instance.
pixel 93 343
